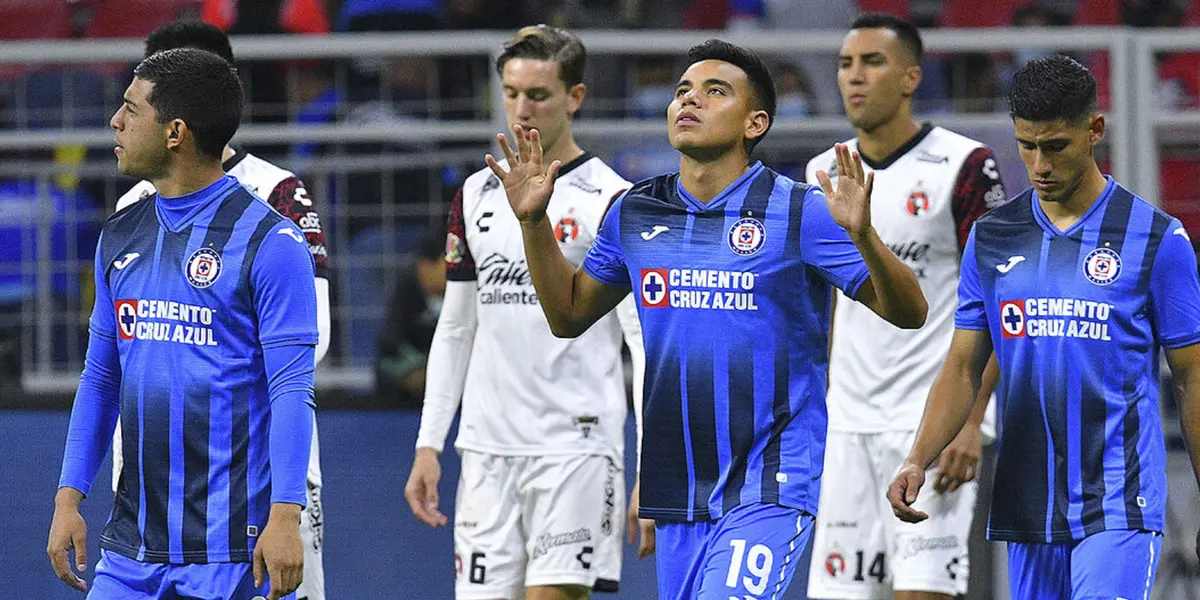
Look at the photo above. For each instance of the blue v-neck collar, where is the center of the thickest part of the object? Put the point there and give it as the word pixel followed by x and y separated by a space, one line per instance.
pixel 1044 221
pixel 719 201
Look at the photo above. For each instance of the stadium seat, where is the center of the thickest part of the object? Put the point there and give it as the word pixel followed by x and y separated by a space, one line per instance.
pixel 135 18
pixel 967 13
pixel 34 19
pixel 891 7
pixel 1097 12
pixel 1181 191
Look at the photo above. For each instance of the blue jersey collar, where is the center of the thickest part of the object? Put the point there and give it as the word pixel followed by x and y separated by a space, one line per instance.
pixel 739 186
pixel 177 212
pixel 1039 215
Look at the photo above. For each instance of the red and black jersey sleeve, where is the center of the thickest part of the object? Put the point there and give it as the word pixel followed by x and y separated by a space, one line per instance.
pixel 290 198
pixel 977 189
pixel 460 265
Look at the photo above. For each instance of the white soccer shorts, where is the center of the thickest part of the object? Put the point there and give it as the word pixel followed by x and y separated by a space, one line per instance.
pixel 312 533
pixel 861 550
pixel 525 521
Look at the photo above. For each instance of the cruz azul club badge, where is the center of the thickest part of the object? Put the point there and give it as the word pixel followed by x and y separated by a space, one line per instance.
pixel 1102 266
pixel 203 268
pixel 747 236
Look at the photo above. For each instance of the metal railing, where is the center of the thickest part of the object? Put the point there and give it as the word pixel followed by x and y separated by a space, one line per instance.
pixel 1135 127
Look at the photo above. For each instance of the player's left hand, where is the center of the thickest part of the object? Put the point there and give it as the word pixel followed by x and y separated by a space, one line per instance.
pixel 850 202
pixel 959 462
pixel 904 491
pixel 636 524
pixel 279 554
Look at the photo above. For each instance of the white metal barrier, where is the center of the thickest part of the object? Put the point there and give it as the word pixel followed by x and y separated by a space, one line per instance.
pixel 1135 126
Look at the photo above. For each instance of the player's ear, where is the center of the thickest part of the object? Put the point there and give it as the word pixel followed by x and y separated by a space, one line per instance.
pixel 175 133
pixel 1096 127
pixel 757 123
pixel 575 97
pixel 912 80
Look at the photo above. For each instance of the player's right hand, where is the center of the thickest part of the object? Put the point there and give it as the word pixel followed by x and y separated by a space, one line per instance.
pixel 421 490
pixel 527 183
pixel 637 524
pixel 904 491
pixel 68 531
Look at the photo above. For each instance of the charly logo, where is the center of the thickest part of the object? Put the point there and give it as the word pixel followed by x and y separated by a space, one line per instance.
pixel 203 268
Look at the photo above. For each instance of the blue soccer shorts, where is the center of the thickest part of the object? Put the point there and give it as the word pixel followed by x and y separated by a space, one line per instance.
pixel 119 577
pixel 1108 565
pixel 749 554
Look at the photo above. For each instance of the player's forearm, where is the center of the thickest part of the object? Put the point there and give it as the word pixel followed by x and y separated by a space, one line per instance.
pixel 553 278
pixel 449 359
pixel 897 290
pixel 93 417
pixel 1189 416
pixel 290 445
pixel 951 401
pixel 987 385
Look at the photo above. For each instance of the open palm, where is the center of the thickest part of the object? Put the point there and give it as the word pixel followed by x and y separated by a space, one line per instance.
pixel 527 183
pixel 850 202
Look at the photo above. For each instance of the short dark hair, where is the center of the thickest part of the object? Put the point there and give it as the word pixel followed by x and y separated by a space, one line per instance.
pixel 910 36
pixel 198 87
pixel 1052 88
pixel 189 33
pixel 761 81
pixel 542 42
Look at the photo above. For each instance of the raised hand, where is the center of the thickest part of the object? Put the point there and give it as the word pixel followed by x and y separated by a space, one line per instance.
pixel 850 202
pixel 527 183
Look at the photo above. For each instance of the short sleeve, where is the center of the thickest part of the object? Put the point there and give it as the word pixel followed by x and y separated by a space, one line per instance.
pixel 460 265
pixel 1175 289
pixel 605 260
pixel 971 312
pixel 290 198
pixel 827 248
pixel 281 280
pixel 977 190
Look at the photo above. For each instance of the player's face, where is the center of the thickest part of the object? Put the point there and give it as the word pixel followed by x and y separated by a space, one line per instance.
pixel 1058 154
pixel 141 140
pixel 714 110
pixel 535 97
pixel 876 74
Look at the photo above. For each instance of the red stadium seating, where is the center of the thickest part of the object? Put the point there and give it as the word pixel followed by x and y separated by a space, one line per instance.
pixel 969 13
pixel 1181 191
pixel 33 19
pixel 891 7
pixel 135 18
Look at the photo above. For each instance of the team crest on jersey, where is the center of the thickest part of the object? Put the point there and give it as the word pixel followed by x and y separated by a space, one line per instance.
pixel 126 318
pixel 1102 266
pixel 566 230
pixel 454 249
pixel 918 204
pixel 654 288
pixel 835 564
pixel 747 236
pixel 1012 319
pixel 203 268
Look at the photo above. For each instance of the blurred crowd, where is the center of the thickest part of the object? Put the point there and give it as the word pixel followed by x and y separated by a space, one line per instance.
pixel 415 187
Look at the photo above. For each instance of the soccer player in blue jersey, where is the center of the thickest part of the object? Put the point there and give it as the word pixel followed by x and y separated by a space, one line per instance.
pixel 202 339
pixel 733 267
pixel 1076 283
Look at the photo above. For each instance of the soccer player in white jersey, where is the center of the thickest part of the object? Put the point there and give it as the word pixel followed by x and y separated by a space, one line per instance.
pixel 931 186
pixel 539 509
pixel 288 195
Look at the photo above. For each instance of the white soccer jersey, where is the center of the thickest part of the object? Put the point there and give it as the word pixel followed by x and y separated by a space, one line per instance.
pixel 925 199
pixel 528 392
